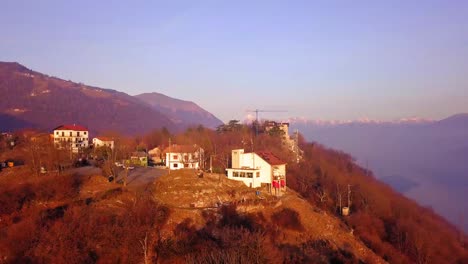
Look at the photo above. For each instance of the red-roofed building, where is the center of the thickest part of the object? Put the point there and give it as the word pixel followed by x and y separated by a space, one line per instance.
pixel 258 168
pixel 73 127
pixel 184 156
pixel 73 136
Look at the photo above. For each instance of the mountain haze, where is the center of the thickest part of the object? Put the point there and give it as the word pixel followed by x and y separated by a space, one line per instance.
pixel 180 111
pixel 425 160
pixel 34 100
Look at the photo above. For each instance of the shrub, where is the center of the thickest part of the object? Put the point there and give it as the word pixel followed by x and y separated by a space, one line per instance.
pixel 287 218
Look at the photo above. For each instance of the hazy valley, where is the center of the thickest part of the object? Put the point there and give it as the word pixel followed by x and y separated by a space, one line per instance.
pixel 425 160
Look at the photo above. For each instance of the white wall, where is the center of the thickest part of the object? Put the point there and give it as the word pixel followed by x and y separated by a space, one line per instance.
pixel 241 160
pixel 180 161
pixel 73 137
pixel 253 182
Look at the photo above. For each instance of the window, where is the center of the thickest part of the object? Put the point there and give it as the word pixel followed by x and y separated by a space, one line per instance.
pixel 63 134
pixel 258 174
pixel 78 133
pixel 174 157
pixel 249 175
pixel 235 174
pixel 56 133
pixel 84 132
pixel 70 133
pixel 242 174
pixel 175 165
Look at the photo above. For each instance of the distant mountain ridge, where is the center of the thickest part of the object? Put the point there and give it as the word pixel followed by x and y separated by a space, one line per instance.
pixel 32 99
pixel 362 121
pixel 180 111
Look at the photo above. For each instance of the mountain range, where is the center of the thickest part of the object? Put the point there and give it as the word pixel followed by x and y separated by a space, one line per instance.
pixel 32 99
pixel 426 160
pixel 179 111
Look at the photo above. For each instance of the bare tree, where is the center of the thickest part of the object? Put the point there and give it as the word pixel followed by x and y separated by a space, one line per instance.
pixel 144 247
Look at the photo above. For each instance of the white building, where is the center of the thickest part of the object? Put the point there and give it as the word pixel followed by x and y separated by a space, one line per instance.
pixel 258 168
pixel 73 136
pixel 292 141
pixel 103 142
pixel 184 156
pixel 155 155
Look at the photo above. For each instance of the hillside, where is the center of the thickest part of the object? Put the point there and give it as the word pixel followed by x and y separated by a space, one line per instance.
pixel 34 100
pixel 179 111
pixel 186 214
pixel 77 216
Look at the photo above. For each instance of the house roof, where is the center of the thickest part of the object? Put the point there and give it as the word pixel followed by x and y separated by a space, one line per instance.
pixel 139 154
pixel 181 149
pixel 71 127
pixel 155 150
pixel 105 138
pixel 270 158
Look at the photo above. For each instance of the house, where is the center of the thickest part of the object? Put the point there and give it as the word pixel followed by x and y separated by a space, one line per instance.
pixel 280 126
pixel 103 142
pixel 259 168
pixel 184 156
pixel 292 141
pixel 156 155
pixel 139 158
pixel 73 136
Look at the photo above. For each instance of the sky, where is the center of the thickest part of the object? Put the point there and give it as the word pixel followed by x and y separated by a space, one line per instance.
pixel 329 60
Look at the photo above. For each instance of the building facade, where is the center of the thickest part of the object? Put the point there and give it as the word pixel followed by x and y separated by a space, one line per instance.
pixel 255 169
pixel 184 156
pixel 155 155
pixel 139 158
pixel 103 142
pixel 73 136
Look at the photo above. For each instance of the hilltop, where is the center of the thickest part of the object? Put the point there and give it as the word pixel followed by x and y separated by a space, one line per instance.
pixel 188 212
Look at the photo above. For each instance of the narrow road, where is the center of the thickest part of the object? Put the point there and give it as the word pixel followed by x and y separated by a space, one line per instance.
pixel 138 179
pixel 141 177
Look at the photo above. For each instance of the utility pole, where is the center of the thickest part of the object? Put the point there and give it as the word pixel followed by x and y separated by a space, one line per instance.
pixel 339 197
pixel 211 163
pixel 349 196
pixel 296 144
pixel 126 174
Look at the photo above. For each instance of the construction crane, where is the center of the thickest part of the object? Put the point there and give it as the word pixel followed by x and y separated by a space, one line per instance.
pixel 256 111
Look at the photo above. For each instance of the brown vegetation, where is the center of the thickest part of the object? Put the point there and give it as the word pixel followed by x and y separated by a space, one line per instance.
pixel 52 219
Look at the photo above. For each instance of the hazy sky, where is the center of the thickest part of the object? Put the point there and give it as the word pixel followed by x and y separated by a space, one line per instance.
pixel 328 60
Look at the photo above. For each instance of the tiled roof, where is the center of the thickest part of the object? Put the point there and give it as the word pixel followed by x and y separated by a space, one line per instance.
pixel 105 138
pixel 139 154
pixel 270 158
pixel 71 127
pixel 181 149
